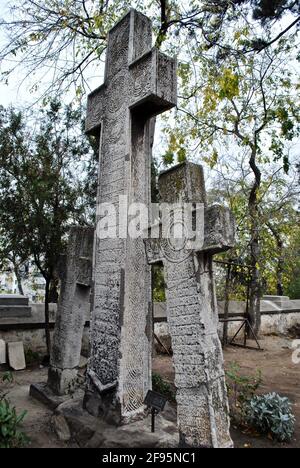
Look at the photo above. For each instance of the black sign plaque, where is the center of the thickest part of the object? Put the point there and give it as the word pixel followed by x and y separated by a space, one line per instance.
pixel 156 402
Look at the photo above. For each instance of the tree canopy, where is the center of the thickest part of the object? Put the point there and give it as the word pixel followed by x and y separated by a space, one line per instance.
pixel 238 106
pixel 69 37
pixel 42 168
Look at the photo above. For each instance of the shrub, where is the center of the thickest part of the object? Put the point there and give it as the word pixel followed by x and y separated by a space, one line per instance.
pixel 10 434
pixel 161 386
pixel 241 389
pixel 272 414
pixel 8 377
pixel 32 357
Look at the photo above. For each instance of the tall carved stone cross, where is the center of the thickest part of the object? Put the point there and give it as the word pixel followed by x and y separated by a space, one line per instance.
pixel 202 406
pixel 140 83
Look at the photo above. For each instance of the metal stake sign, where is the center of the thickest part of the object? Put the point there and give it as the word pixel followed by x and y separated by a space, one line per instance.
pixel 156 402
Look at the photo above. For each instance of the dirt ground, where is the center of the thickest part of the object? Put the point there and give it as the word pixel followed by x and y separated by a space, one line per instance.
pixel 275 362
pixel 279 375
pixel 37 425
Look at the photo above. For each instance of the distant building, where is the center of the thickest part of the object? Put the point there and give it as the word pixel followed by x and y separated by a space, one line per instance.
pixel 33 282
pixel 8 282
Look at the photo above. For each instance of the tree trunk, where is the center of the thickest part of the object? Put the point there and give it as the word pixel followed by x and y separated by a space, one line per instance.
pixel 280 270
pixel 19 280
pixel 280 260
pixel 47 316
pixel 53 292
pixel 255 289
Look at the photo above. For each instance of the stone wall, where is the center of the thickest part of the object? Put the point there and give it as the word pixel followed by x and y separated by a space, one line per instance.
pixel 275 320
pixel 31 331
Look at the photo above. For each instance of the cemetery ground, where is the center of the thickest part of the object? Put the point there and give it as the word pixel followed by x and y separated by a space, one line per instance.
pixel 279 374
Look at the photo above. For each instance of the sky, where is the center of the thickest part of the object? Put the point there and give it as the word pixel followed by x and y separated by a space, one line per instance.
pixel 17 92
pixel 8 94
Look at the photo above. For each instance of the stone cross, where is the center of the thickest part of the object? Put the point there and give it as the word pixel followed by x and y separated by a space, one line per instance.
pixel 140 83
pixel 203 415
pixel 73 307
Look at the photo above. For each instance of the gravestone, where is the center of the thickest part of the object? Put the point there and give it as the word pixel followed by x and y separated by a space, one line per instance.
pixel 16 355
pixel 140 83
pixel 74 303
pixel 280 301
pixel 14 305
pixel 203 414
pixel 2 352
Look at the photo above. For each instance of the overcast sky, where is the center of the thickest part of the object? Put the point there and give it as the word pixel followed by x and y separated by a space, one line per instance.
pixel 8 94
pixel 17 92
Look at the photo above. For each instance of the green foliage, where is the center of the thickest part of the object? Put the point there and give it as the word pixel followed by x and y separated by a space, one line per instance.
pixel 273 9
pixel 159 294
pixel 8 377
pixel 41 183
pixel 279 234
pixel 293 288
pixel 32 357
pixel 292 264
pixel 241 389
pixel 161 386
pixel 11 435
pixel 228 84
pixel 184 73
pixel 41 186
pixel 272 414
pixel 176 152
pixel 168 158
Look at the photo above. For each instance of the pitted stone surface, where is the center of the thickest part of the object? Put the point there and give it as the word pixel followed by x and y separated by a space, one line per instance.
pixel 203 413
pixel 74 304
pixel 140 83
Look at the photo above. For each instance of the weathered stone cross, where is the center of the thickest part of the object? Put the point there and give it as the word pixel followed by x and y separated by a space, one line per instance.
pixel 140 83
pixel 73 310
pixel 202 409
pixel 75 271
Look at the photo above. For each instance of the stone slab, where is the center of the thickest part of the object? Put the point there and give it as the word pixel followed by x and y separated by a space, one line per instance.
pixel 42 393
pixel 90 432
pixel 15 311
pixel 2 352
pixel 37 317
pixel 13 299
pixel 276 298
pixel 16 355
pixel 279 301
pixel 160 310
